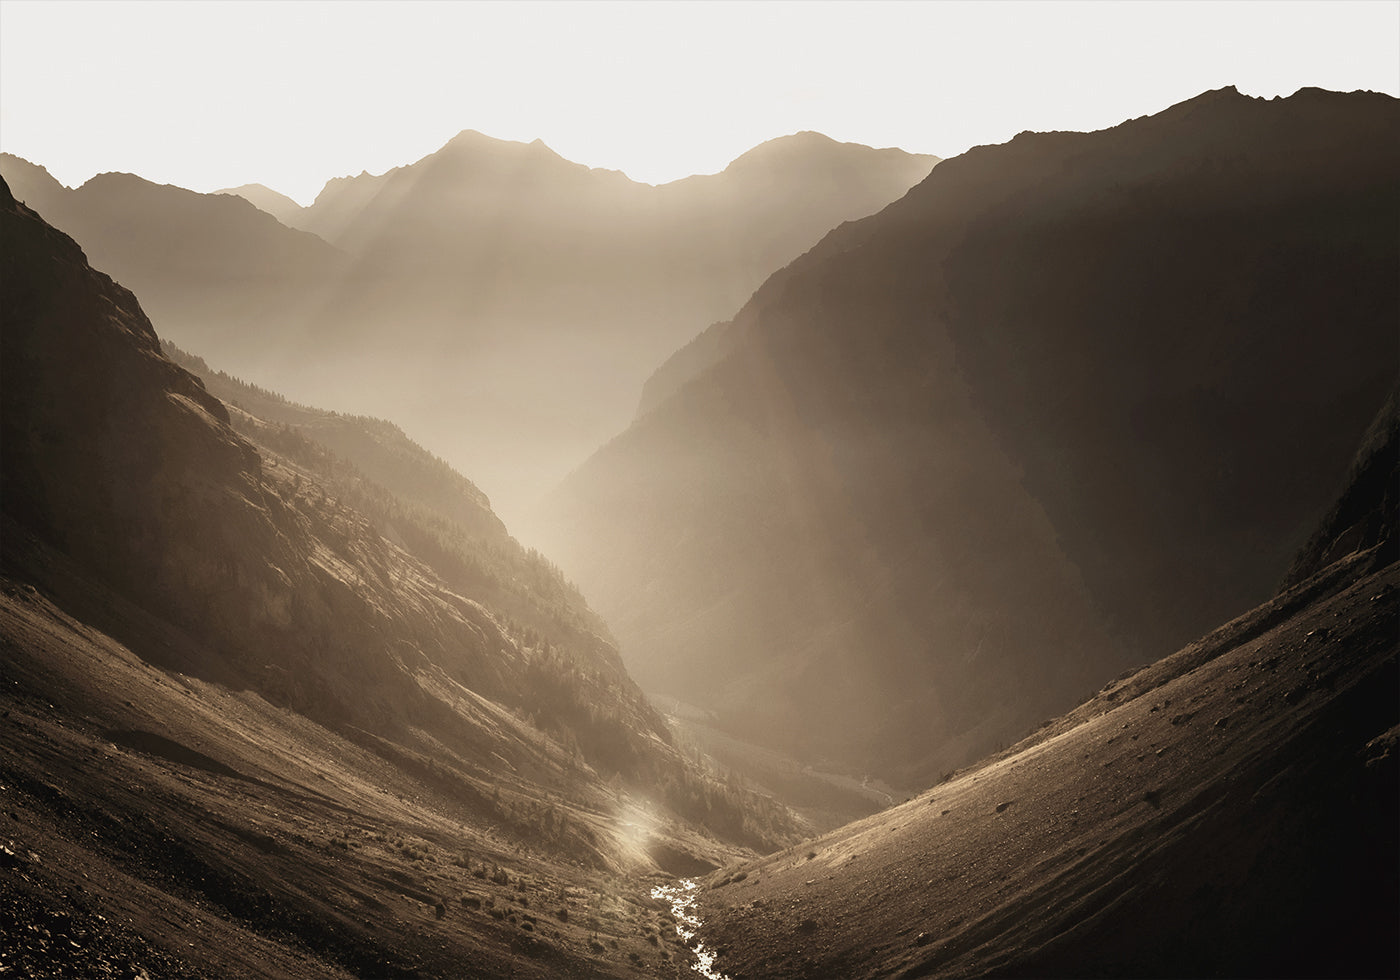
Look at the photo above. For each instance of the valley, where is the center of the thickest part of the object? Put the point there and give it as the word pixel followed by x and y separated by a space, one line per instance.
pixel 243 840
pixel 982 569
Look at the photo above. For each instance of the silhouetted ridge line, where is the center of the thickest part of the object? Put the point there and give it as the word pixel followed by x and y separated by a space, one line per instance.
pixel 1064 405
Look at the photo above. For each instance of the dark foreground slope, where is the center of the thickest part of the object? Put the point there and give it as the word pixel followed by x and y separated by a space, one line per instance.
pixel 247 734
pixel 1232 810
pixel 1067 404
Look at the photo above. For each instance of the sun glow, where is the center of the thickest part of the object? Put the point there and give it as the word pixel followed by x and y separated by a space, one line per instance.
pixel 214 95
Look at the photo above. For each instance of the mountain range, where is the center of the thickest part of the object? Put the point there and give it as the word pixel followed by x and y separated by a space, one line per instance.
pixel 190 585
pixel 1065 405
pixel 284 697
pixel 491 279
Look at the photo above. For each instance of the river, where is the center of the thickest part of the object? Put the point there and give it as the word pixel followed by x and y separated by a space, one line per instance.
pixel 681 897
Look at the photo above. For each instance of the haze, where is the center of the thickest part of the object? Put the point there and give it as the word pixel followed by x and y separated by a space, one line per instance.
pixel 212 95
pixel 657 499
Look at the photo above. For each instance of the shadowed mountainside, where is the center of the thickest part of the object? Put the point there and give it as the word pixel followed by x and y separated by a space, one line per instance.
pixel 1066 404
pixel 202 263
pixel 489 280
pixel 367 720
pixel 1231 810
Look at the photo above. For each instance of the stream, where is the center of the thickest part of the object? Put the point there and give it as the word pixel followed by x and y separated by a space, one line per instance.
pixel 681 897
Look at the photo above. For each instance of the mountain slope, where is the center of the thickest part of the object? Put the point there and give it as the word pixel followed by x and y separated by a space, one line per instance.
pixel 280 206
pixel 1064 405
pixel 206 265
pixel 259 669
pixel 1231 810
pixel 508 302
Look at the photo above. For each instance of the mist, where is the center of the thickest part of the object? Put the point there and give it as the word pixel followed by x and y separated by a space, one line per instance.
pixel 846 563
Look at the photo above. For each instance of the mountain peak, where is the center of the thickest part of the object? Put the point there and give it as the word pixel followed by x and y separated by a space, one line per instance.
pixel 32 183
pixel 808 147
pixel 264 198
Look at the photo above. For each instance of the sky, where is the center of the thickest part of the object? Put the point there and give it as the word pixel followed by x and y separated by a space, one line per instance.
pixel 210 95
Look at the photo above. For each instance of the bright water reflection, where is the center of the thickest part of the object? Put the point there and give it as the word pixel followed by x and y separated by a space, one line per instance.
pixel 681 896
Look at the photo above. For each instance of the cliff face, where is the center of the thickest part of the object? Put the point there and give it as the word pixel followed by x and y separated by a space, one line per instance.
pixel 101 432
pixel 1065 405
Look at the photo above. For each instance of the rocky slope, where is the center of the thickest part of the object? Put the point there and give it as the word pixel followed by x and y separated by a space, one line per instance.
pixel 216 665
pixel 1231 810
pixel 1066 404
pixel 508 302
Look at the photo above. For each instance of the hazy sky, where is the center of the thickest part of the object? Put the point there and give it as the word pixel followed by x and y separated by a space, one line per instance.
pixel 209 95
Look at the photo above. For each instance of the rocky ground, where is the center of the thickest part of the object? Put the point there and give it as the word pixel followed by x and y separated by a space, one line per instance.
pixel 1228 811
pixel 158 825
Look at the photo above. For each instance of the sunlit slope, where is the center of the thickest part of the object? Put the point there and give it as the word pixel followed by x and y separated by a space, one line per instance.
pixel 1071 401
pixel 161 820
pixel 1229 811
pixel 417 501
pixel 181 593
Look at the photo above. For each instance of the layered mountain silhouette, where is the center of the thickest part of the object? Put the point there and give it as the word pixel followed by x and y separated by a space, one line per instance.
pixel 491 280
pixel 1064 406
pixel 211 265
pixel 225 593
pixel 283 697
pixel 280 206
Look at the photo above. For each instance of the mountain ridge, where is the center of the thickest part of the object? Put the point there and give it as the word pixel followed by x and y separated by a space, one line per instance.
pixel 1061 342
pixel 486 280
pixel 250 541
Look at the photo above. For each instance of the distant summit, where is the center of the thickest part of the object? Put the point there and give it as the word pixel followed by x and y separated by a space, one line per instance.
pixel 490 280
pixel 30 183
pixel 280 206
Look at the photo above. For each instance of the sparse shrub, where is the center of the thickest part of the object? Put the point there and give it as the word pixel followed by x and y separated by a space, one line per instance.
pixel 562 915
pixel 471 901
pixel 440 910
